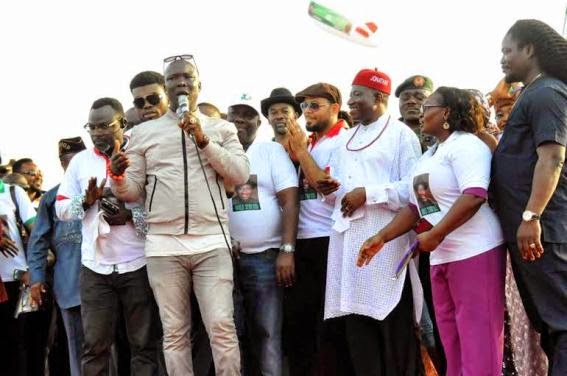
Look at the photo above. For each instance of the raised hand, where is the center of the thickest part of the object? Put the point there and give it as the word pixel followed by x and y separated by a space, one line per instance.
pixel 93 192
pixel 191 124
pixel 118 161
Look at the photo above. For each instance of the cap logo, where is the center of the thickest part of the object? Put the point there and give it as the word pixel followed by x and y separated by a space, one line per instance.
pixel 65 146
pixel 418 81
pixel 379 80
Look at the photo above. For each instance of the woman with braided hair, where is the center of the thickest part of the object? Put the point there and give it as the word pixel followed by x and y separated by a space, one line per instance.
pixel 529 180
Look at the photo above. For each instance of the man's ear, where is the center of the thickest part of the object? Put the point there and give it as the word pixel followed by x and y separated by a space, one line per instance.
pixel 530 50
pixel 123 122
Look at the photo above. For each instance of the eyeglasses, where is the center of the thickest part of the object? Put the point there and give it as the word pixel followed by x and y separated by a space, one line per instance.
pixel 424 107
pixel 30 173
pixel 103 126
pixel 188 58
pixel 152 99
pixel 314 106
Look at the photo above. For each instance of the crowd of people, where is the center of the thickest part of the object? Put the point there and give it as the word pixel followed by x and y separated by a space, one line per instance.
pixel 179 244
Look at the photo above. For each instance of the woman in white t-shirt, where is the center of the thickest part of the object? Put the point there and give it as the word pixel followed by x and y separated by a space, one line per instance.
pixel 448 197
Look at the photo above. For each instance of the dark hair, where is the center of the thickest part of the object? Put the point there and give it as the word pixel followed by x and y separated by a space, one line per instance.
pixel 114 103
pixel 343 115
pixel 465 114
pixel 550 47
pixel 147 78
pixel 17 166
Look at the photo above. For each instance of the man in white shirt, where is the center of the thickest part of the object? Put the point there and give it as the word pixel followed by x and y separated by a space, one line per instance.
pixel 12 259
pixel 113 274
pixel 368 187
pixel 263 221
pixel 311 344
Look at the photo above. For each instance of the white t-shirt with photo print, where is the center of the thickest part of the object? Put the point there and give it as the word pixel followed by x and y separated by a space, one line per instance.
pixel 255 216
pixel 461 162
pixel 8 217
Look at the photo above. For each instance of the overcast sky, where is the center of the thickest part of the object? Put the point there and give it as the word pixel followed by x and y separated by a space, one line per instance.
pixel 59 56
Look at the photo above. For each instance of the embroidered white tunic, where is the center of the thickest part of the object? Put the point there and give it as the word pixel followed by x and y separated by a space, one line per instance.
pixel 382 168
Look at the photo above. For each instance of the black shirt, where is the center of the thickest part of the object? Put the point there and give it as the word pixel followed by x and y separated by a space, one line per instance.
pixel 539 116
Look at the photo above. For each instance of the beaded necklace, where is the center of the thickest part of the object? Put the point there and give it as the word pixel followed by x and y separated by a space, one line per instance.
pixel 371 142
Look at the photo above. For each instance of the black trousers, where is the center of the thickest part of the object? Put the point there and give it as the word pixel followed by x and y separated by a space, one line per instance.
pixel 23 341
pixel 101 298
pixel 543 288
pixel 388 347
pixel 313 346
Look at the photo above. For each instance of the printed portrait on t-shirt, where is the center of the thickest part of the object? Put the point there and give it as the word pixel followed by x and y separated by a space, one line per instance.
pixel 425 200
pixel 306 192
pixel 246 195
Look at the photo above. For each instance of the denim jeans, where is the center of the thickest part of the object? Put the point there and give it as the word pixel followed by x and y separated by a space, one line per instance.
pixel 263 310
pixel 74 331
pixel 101 298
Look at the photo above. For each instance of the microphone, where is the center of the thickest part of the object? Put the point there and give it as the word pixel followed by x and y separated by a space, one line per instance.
pixel 183 105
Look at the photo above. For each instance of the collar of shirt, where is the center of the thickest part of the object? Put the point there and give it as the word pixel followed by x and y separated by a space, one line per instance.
pixel 334 131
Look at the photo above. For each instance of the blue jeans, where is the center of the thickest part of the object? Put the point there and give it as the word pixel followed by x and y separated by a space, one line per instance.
pixel 74 330
pixel 263 310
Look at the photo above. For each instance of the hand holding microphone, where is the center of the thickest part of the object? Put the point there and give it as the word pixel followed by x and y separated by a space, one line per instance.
pixel 190 123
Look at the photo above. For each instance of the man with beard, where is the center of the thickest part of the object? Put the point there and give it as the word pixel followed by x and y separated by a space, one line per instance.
pixel 113 274
pixel 33 175
pixel 278 108
pixel 412 93
pixel 180 162
pixel 367 184
pixel 309 345
pixel 529 180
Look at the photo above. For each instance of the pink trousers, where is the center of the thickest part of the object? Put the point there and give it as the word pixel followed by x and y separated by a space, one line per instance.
pixel 468 296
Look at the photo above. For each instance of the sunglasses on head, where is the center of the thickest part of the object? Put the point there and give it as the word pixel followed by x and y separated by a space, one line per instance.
pixel 152 99
pixel 314 106
pixel 188 58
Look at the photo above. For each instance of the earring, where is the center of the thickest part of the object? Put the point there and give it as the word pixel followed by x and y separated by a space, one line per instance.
pixel 446 125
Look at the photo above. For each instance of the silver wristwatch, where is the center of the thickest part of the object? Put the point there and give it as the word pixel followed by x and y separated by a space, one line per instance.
pixel 287 248
pixel 530 216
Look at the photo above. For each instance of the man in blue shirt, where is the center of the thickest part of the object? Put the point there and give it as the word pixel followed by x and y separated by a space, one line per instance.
pixel 64 239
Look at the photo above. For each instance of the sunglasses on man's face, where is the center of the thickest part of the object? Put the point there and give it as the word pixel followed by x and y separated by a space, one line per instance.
pixel 314 106
pixel 152 99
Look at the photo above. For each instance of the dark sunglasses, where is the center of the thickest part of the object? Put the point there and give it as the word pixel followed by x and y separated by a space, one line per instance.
pixel 314 106
pixel 152 99
pixel 188 58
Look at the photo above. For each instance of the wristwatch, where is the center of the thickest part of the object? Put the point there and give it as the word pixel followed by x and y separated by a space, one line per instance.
pixel 530 216
pixel 287 248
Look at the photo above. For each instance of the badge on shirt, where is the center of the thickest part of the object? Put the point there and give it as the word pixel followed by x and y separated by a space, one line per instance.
pixel 306 192
pixel 246 196
pixel 425 200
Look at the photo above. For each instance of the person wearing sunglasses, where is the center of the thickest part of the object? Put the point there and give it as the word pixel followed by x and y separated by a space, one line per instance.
pixel 180 163
pixel 366 184
pixel 148 90
pixel 464 237
pixel 113 274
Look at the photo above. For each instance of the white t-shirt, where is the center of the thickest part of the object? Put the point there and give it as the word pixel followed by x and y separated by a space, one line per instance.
pixel 10 228
pixel 439 179
pixel 315 214
pixel 255 216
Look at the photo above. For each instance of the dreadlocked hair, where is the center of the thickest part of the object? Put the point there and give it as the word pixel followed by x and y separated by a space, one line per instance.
pixel 549 46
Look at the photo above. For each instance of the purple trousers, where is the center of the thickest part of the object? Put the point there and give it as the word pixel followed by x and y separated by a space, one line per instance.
pixel 468 296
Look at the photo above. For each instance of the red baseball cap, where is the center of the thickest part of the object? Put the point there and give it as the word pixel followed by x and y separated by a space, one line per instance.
pixel 373 79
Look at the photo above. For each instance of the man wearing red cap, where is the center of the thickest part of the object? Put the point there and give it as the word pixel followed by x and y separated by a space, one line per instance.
pixel 368 186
